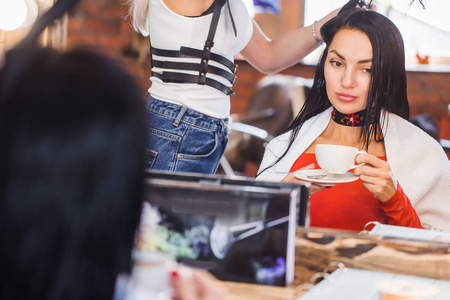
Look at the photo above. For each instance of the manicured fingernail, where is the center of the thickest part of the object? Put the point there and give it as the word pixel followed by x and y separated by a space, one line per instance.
pixel 174 275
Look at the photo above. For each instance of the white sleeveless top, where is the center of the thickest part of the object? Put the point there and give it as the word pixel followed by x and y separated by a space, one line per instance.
pixel 169 31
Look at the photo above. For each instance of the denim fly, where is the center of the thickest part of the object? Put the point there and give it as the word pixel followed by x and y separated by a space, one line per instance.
pixel 183 140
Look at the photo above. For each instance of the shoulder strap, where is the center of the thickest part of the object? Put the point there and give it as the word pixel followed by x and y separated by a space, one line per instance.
pixel 215 20
pixel 210 41
pixel 150 43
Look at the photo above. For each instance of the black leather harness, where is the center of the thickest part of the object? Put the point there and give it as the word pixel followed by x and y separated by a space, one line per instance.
pixel 205 56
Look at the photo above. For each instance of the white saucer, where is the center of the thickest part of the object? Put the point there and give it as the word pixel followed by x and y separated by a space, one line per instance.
pixel 329 179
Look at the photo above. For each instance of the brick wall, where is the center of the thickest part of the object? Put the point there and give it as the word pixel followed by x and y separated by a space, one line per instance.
pixel 100 24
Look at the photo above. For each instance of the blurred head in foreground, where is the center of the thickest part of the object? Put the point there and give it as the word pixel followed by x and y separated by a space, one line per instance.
pixel 71 154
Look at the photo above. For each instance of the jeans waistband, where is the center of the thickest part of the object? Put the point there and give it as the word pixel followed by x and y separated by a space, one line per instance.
pixel 183 114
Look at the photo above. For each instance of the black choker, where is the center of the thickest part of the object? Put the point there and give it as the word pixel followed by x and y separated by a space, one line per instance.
pixel 352 119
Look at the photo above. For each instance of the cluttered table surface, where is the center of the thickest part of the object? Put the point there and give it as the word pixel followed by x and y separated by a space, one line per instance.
pixel 317 248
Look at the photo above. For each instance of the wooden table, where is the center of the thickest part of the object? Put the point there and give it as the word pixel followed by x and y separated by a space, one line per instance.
pixel 316 248
pixel 247 291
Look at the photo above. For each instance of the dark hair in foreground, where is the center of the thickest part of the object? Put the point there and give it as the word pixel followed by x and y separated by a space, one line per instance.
pixel 71 155
pixel 387 91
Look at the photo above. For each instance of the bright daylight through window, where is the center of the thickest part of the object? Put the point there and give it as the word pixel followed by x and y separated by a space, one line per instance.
pixel 426 32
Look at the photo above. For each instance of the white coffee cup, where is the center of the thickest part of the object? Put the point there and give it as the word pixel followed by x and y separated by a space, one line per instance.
pixel 336 159
pixel 151 275
pixel 406 290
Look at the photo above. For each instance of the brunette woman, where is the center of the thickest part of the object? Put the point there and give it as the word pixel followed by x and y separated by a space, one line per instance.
pixel 359 99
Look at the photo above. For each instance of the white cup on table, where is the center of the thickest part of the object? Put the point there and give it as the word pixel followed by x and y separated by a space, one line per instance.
pixel 150 278
pixel 407 290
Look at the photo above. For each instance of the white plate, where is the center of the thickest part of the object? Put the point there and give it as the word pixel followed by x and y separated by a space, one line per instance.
pixel 329 179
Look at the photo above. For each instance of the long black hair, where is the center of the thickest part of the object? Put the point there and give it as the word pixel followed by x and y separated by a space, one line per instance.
pixel 387 90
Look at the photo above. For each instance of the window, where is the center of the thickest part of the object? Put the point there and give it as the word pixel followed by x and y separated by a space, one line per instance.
pixel 424 31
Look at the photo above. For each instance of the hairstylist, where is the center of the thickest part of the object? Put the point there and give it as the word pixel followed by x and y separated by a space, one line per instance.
pixel 193 44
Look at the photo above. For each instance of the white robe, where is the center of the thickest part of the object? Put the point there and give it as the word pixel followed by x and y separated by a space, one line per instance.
pixel 417 162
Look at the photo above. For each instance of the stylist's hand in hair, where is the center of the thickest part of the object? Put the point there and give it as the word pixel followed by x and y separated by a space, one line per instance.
pixel 191 284
pixel 376 176
pixel 352 4
pixel 314 188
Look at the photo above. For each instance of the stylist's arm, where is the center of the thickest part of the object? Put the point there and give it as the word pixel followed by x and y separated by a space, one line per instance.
pixel 376 176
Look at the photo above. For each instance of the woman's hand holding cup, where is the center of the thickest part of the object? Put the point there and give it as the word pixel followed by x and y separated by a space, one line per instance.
pixel 376 176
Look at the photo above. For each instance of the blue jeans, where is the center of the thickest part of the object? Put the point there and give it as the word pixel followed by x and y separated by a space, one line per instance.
pixel 183 140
